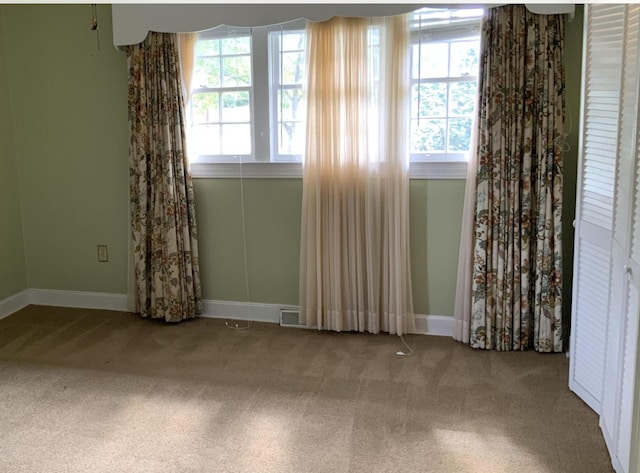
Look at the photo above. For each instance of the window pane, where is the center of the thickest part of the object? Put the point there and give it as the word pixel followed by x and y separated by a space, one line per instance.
pixel 236 45
pixel 235 107
pixel 432 15
pixel 459 134
pixel 207 72
pixel 204 140
pixel 374 62
pixel 236 139
pixel 464 58
pixel 236 71
pixel 430 60
pixel 292 68
pixel 430 100
pixel 208 47
pixel 291 138
pixel 427 136
pixel 291 107
pixel 204 108
pixel 293 41
pixel 462 98
pixel 373 36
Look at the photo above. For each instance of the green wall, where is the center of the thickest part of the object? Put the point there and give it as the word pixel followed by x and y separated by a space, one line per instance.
pixel 272 222
pixel 69 114
pixel 69 120
pixel 13 278
pixel 573 76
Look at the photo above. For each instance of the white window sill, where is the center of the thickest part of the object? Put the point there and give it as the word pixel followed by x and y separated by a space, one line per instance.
pixel 438 170
pixel 279 170
pixel 251 170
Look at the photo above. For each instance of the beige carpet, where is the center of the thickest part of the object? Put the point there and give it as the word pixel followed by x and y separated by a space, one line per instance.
pixel 98 391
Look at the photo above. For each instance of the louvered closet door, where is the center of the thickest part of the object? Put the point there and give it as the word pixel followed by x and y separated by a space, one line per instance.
pixel 596 183
pixel 621 291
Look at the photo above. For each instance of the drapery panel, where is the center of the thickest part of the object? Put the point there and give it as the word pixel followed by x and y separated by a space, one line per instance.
pixel 163 223
pixel 516 277
pixel 186 43
pixel 462 303
pixel 355 269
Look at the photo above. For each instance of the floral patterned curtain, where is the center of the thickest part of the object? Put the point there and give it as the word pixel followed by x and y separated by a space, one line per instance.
pixel 167 281
pixel 517 259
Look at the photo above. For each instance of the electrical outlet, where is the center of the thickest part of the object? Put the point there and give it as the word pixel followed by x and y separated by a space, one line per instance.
pixel 103 254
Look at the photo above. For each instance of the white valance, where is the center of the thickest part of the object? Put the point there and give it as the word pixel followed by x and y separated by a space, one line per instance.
pixel 132 22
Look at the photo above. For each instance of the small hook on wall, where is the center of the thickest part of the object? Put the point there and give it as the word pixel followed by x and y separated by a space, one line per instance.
pixel 94 23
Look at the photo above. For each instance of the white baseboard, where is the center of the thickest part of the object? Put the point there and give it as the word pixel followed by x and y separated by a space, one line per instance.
pixel 79 299
pixel 14 303
pixel 242 311
pixel 441 325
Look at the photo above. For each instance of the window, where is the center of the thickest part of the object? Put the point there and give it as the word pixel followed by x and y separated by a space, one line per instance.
pixel 221 96
pixel 444 67
pixel 287 61
pixel 248 103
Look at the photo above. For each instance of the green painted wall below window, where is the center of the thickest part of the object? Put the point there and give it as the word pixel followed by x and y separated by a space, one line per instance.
pixel 272 222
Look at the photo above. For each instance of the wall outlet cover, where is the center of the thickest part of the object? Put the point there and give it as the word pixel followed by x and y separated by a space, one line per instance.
pixel 103 253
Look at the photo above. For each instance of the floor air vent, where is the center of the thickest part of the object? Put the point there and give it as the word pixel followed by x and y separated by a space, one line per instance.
pixel 290 318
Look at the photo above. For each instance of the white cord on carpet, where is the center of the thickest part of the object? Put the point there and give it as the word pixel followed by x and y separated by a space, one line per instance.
pixel 236 326
pixel 409 351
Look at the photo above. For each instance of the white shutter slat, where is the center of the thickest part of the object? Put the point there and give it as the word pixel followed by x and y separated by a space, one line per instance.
pixel 601 169
pixel 595 147
pixel 599 174
pixel 597 131
pixel 605 143
pixel 603 185
pixel 599 189
pixel 604 120
pixel 598 209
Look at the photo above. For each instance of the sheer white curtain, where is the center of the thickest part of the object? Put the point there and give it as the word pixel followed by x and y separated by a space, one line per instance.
pixel 186 53
pixel 462 305
pixel 355 266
